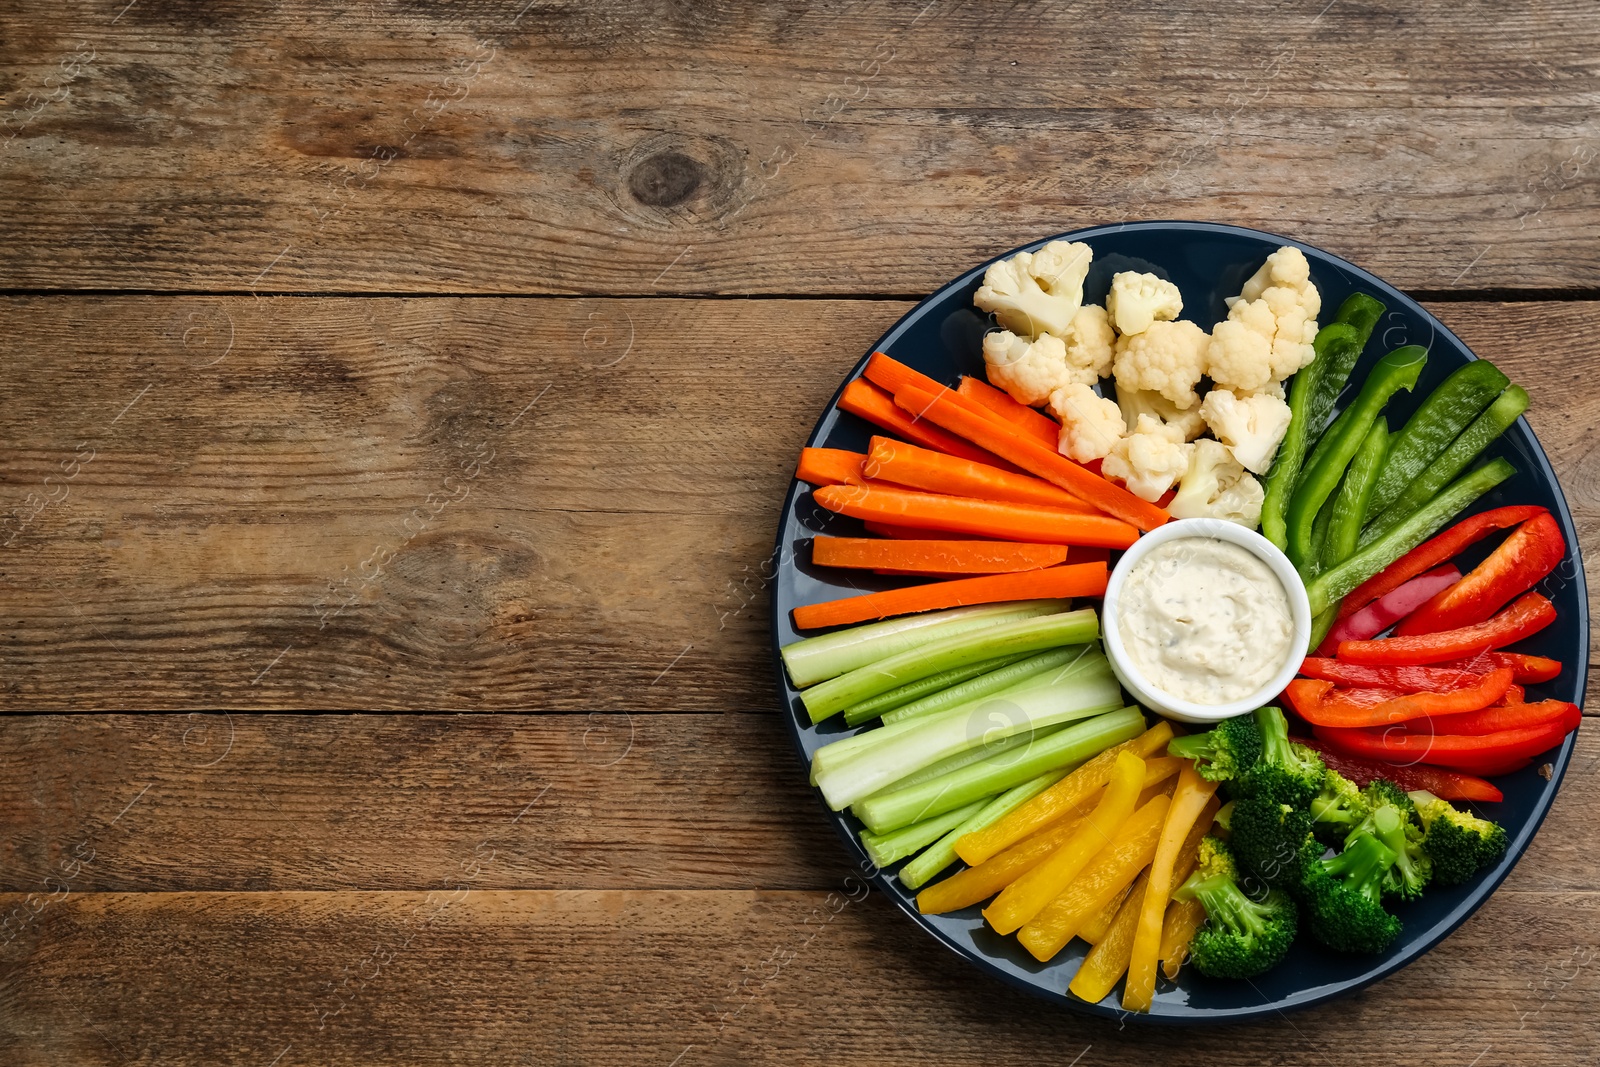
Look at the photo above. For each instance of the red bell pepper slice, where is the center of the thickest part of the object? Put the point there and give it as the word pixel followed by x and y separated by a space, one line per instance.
pixel 1515 695
pixel 1531 552
pixel 1407 679
pixel 1358 708
pixel 1433 552
pixel 1527 668
pixel 1390 608
pixel 1467 752
pixel 1447 785
pixel 1530 614
pixel 1500 717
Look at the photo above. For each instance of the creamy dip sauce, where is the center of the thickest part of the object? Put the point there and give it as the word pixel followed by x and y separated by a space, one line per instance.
pixel 1204 620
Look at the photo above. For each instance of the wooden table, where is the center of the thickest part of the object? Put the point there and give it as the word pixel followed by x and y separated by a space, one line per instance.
pixel 393 356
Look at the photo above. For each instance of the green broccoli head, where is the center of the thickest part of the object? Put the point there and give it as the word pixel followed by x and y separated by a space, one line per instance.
pixel 1339 808
pixel 1242 937
pixel 1271 840
pixel 1344 893
pixel 1224 752
pixel 1459 843
pixel 1287 773
pixel 1383 791
pixel 1400 832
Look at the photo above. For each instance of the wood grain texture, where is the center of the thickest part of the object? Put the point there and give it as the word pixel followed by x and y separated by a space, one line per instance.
pixel 269 803
pixel 852 147
pixel 459 503
pixel 720 977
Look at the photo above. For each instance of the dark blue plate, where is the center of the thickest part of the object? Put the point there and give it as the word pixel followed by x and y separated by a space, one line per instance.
pixel 941 337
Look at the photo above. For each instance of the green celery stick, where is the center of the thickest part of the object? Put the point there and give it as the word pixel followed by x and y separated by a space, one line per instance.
pixel 884 849
pixel 942 853
pixel 876 706
pixel 1033 667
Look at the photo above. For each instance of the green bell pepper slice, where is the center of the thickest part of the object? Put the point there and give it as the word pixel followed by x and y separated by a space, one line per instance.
pixel 1291 455
pixel 1438 420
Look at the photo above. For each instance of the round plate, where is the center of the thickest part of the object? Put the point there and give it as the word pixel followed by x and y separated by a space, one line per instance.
pixel 941 337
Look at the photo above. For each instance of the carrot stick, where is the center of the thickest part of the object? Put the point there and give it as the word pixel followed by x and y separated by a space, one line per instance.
pixel 917 533
pixel 1060 800
pixel 878 407
pixel 830 466
pixel 1027 896
pixel 1114 869
pixel 1188 802
pixel 935 472
pixel 959 417
pixel 1064 582
pixel 889 374
pixel 995 519
pixel 934 557
pixel 986 396
pixel 1108 960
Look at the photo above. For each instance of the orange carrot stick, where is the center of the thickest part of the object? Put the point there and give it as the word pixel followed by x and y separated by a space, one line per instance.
pixel 986 396
pixel 830 466
pixel 1189 802
pixel 1064 582
pixel 1000 521
pixel 890 375
pixel 935 472
pixel 917 533
pixel 866 400
pixel 959 417
pixel 934 557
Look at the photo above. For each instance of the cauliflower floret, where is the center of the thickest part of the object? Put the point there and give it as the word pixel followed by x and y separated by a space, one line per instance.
pixel 1090 424
pixel 1251 426
pixel 1137 300
pixel 1029 370
pixel 1270 326
pixel 1216 486
pixel 1147 461
pixel 1089 343
pixel 1180 424
pixel 1037 292
pixel 1168 358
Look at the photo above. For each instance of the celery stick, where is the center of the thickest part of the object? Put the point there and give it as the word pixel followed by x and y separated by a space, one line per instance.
pixel 895 808
pixel 930 740
pixel 975 755
pixel 884 849
pixel 911 692
pixel 990 682
pixel 942 853
pixel 813 659
pixel 1024 635
pixel 1092 666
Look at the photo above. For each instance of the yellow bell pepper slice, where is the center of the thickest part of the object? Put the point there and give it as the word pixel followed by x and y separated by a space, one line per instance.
pixel 1189 801
pixel 1183 920
pixel 1028 895
pixel 1106 963
pixel 1115 868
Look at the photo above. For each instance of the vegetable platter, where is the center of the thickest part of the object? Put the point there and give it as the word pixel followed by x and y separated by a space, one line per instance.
pixel 936 622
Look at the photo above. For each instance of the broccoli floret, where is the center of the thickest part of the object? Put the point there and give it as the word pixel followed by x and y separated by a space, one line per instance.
pixel 1402 834
pixel 1286 772
pixel 1223 820
pixel 1339 808
pixel 1224 752
pixel 1383 791
pixel 1343 895
pixel 1242 937
pixel 1459 843
pixel 1271 840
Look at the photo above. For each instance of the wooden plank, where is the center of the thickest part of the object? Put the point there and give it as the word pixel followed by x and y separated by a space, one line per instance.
pixel 457 503
pixel 730 977
pixel 275 802
pixel 860 147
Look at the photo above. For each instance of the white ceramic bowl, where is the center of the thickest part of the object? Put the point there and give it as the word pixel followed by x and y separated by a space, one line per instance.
pixel 1187 710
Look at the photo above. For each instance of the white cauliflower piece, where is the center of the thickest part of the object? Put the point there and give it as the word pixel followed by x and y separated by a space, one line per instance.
pixel 1090 424
pixel 1167 358
pixel 1029 370
pixel 1216 486
pixel 1037 292
pixel 1181 424
pixel 1089 343
pixel 1147 461
pixel 1137 300
pixel 1270 326
pixel 1251 426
